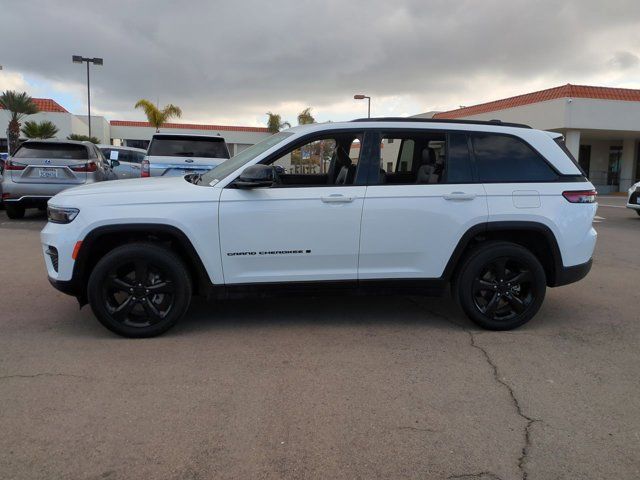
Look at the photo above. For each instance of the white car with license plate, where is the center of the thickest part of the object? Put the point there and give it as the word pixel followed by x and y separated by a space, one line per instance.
pixel 171 154
pixel 633 199
pixel 496 212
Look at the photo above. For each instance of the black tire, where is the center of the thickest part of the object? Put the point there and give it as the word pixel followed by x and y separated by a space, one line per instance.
pixel 14 212
pixel 500 286
pixel 139 290
pixel 638 212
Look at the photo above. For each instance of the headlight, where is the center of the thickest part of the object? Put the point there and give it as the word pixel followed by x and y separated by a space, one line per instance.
pixel 61 215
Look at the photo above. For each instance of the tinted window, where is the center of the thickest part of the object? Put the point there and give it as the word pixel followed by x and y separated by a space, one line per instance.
pixel 196 147
pixel 458 162
pixel 426 157
pixel 500 158
pixel 52 150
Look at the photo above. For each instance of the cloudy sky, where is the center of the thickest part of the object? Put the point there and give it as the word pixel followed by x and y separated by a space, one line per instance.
pixel 229 62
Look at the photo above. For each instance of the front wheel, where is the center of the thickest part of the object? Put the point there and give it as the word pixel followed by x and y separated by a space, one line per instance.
pixel 139 290
pixel 501 286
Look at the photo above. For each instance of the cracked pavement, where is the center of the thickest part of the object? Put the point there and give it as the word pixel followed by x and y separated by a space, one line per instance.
pixel 324 387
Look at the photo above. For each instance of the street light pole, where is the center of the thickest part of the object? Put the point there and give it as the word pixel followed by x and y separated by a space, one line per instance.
pixel 362 97
pixel 95 61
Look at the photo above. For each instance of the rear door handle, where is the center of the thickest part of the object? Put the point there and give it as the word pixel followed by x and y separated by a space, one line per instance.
pixel 459 196
pixel 337 198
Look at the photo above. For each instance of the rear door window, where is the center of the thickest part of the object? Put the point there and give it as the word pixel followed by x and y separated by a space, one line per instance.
pixel 193 147
pixel 506 159
pixel 53 151
pixel 424 157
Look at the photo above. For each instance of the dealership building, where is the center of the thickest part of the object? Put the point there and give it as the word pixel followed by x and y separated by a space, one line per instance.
pixel 125 132
pixel 601 126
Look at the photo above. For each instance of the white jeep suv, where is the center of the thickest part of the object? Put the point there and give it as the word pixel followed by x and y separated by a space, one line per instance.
pixel 497 211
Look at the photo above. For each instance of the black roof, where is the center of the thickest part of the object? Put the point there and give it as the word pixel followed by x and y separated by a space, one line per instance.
pixel 498 123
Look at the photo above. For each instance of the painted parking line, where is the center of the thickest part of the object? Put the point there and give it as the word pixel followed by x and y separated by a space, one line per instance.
pixel 598 219
pixel 612 206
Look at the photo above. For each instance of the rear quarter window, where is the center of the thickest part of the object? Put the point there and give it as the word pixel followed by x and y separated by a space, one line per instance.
pixel 52 150
pixel 504 159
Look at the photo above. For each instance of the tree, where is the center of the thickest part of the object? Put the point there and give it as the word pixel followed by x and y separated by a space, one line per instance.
pixel 19 105
pixel 156 116
pixel 45 129
pixel 82 138
pixel 275 123
pixel 305 117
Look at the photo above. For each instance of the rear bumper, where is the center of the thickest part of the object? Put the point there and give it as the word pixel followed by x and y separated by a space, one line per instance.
pixel 572 274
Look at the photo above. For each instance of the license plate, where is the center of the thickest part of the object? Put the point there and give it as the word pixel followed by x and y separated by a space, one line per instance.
pixel 47 172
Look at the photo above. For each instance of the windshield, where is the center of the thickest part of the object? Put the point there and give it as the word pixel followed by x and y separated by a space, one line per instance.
pixel 180 146
pixel 67 151
pixel 244 157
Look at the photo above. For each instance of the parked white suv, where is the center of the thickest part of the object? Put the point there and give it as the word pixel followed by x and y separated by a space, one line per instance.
pixel 497 211
pixel 171 154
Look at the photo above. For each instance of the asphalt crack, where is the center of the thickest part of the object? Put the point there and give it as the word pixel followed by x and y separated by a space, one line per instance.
pixel 516 403
pixel 45 374
pixel 514 400
pixel 488 475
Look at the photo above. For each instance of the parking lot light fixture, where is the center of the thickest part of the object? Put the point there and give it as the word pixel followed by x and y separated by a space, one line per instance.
pixel 360 96
pixel 95 61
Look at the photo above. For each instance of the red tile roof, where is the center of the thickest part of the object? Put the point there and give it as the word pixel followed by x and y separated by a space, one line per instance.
pixel 190 126
pixel 47 105
pixel 564 91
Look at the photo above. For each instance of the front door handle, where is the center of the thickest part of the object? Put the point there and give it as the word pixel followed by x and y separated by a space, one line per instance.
pixel 337 198
pixel 459 196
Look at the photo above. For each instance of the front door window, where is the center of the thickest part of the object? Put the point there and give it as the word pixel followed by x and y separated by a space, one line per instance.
pixel 613 172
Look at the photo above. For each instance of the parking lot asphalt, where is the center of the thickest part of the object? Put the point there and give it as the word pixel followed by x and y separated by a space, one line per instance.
pixel 368 387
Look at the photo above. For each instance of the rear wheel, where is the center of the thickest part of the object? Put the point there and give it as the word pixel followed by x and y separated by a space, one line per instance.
pixel 638 212
pixel 139 290
pixel 14 212
pixel 501 286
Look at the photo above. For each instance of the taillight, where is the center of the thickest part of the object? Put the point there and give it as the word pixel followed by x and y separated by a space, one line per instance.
pixel 11 165
pixel 85 167
pixel 580 196
pixel 145 169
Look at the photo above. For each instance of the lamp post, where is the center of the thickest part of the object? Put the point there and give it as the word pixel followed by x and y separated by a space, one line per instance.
pixel 362 97
pixel 95 61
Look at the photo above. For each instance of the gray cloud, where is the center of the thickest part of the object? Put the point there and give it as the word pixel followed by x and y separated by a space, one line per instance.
pixel 232 59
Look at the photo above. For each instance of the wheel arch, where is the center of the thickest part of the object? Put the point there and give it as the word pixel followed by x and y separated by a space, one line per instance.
pixel 536 237
pixel 103 239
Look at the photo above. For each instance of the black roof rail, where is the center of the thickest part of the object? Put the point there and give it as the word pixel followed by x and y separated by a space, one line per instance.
pixel 499 123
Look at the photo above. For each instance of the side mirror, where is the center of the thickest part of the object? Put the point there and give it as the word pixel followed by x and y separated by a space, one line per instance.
pixel 115 163
pixel 256 176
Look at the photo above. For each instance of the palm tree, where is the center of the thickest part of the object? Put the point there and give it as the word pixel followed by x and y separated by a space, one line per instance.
pixel 156 116
pixel 45 129
pixel 275 123
pixel 20 105
pixel 83 138
pixel 305 117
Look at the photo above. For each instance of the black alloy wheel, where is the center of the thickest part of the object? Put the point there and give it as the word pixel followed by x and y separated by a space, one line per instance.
pixel 500 285
pixel 139 290
pixel 503 289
